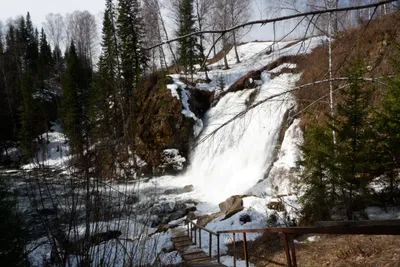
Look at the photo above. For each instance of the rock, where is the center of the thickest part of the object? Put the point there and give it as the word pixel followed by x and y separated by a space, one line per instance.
pixel 188 188
pixel 162 228
pixel 190 209
pixel 244 218
pixel 191 215
pixel 232 205
pixel 176 215
pixel 205 219
pixel 170 191
pixel 163 208
pixel 276 205
pixel 155 221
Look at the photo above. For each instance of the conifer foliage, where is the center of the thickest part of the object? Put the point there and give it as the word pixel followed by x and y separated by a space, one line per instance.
pixel 337 178
pixel 187 47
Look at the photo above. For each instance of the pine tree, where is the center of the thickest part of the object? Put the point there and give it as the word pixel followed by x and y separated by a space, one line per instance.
pixel 187 47
pixel 335 177
pixel 354 140
pixel 75 100
pixel 388 137
pixel 133 58
pixel 317 174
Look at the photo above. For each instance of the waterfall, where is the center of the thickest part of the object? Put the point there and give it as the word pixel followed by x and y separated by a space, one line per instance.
pixel 235 158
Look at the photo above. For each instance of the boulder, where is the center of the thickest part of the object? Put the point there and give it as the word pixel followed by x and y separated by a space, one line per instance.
pixel 188 188
pixel 176 215
pixel 190 209
pixel 244 218
pixel 232 205
pixel 205 219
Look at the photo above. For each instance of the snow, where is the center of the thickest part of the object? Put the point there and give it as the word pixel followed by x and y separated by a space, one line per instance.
pixel 172 157
pixel 184 96
pixel 54 150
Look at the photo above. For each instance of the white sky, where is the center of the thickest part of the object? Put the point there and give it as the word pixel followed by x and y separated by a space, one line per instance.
pixel 40 8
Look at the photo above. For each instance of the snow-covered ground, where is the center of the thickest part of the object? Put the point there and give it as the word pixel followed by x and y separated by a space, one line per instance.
pixel 53 152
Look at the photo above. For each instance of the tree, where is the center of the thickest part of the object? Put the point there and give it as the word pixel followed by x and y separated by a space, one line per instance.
pixel 82 28
pixel 14 236
pixel 187 46
pixel 354 136
pixel 203 10
pixel 238 11
pixel 130 31
pixel 317 177
pixel 388 137
pixel 337 175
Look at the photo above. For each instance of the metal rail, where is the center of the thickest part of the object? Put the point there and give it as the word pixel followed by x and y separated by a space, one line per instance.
pixel 386 227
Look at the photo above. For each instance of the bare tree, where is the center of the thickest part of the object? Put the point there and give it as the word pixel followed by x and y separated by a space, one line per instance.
pixel 82 29
pixel 221 16
pixel 238 14
pixel 203 9
pixel 150 9
pixel 55 29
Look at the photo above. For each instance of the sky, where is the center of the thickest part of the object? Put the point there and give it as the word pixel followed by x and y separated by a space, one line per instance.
pixel 40 8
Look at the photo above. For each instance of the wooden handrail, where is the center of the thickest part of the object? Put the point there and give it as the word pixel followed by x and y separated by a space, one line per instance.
pixel 372 227
pixel 340 230
pixel 190 229
pixel 201 227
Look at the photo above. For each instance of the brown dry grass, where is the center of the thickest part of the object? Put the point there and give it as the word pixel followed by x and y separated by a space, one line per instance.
pixel 327 250
pixel 374 43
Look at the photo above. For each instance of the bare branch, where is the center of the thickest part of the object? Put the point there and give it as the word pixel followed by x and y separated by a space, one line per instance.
pixel 267 21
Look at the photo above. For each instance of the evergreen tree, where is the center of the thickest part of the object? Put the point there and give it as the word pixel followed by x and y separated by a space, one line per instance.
pixel 354 141
pixel 130 33
pixel 45 60
pixel 317 174
pixel 335 177
pixel 388 138
pixel 133 58
pixel 76 84
pixel 187 46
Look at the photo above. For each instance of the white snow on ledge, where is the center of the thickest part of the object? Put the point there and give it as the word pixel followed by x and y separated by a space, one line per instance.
pixel 178 90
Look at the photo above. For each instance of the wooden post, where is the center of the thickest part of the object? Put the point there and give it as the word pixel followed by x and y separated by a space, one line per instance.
pixel 246 256
pixel 195 235
pixel 234 250
pixel 188 228
pixel 210 244
pixel 287 251
pixel 292 248
pixel 199 237
pixel 218 247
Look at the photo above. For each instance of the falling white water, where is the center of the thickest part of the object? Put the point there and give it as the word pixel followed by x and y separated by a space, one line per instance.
pixel 235 158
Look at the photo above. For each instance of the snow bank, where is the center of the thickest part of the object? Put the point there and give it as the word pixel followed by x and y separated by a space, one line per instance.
pixel 53 152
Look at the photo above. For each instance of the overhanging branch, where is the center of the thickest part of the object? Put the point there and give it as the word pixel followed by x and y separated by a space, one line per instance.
pixel 267 21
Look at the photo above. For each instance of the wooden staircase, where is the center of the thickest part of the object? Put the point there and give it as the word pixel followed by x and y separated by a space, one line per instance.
pixel 191 254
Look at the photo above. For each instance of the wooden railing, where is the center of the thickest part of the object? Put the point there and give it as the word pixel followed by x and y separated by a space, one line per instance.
pixel 191 226
pixel 387 227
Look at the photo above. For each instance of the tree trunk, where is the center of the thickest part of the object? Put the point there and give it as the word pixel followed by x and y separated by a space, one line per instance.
pixel 235 46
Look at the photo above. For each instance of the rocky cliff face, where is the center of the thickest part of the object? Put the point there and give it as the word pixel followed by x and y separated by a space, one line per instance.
pixel 162 126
